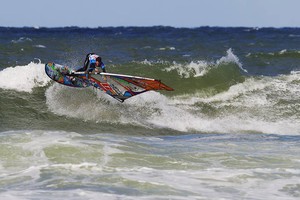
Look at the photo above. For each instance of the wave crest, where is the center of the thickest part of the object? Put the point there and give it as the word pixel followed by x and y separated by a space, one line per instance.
pixel 202 67
pixel 24 78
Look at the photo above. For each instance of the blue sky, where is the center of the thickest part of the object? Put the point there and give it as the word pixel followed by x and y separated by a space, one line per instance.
pixel 177 13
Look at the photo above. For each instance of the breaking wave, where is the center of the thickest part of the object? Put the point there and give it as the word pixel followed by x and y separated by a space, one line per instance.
pixel 218 100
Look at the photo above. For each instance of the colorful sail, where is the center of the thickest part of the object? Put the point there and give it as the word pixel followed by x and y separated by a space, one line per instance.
pixel 119 86
pixel 122 87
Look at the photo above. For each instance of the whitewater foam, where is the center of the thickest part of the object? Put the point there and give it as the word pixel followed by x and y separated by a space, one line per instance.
pixel 198 68
pixel 202 67
pixel 231 58
pixel 89 104
pixel 258 101
pixel 126 167
pixel 21 40
pixel 39 46
pixel 24 78
pixel 255 105
pixel 251 106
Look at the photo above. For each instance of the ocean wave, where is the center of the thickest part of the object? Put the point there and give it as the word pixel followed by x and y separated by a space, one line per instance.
pixel 24 78
pixel 202 67
pixel 71 165
pixel 167 48
pixel 284 53
pixel 256 105
pixel 22 39
pixel 39 46
pixel 243 104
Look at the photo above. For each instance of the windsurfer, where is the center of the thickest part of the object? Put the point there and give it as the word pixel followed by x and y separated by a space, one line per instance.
pixel 92 62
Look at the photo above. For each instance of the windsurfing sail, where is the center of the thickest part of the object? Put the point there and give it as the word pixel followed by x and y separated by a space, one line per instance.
pixel 59 73
pixel 119 86
pixel 122 87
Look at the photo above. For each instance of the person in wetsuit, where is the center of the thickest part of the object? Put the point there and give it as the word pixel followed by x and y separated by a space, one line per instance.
pixel 92 62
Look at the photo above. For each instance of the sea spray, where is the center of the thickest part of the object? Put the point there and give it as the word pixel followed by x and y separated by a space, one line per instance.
pixel 24 78
pixel 202 67
pixel 221 134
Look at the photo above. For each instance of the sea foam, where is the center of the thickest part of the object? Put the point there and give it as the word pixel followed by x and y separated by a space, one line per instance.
pixel 24 78
pixel 202 67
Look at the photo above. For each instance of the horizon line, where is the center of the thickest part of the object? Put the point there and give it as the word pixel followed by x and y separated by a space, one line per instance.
pixel 149 26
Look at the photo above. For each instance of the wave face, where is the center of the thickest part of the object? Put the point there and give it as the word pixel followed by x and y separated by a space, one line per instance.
pixel 229 130
pixel 226 80
pixel 214 97
pixel 210 97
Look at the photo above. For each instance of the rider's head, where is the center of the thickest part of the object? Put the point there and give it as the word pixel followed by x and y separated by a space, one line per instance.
pixel 98 61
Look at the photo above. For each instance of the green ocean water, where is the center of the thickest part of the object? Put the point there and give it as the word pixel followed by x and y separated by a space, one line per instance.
pixel 229 130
